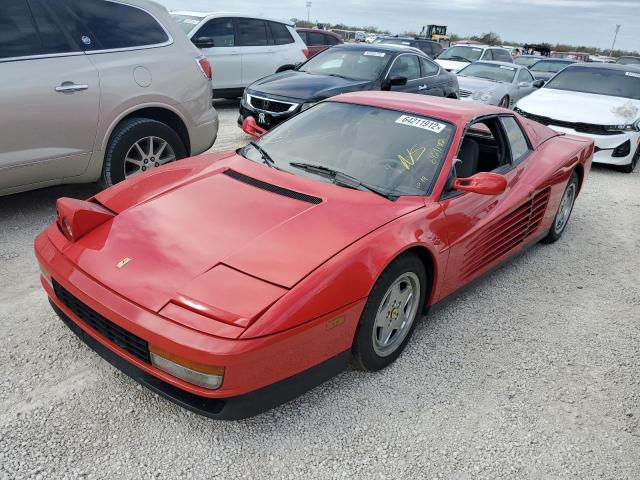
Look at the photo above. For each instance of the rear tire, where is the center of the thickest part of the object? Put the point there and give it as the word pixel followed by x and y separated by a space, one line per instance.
pixel 564 211
pixel 125 137
pixel 390 314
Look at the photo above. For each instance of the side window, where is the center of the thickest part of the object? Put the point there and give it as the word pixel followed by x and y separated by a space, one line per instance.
pixel 253 32
pixel 303 36
pixel 331 40
pixel 428 68
pixel 406 66
pixel 18 35
pixel 220 30
pixel 488 54
pixel 53 39
pixel 517 139
pixel 315 38
pixel 502 55
pixel 280 33
pixel 105 25
pixel 524 76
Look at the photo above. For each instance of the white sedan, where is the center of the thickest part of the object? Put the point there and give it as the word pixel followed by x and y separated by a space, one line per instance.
pixel 598 101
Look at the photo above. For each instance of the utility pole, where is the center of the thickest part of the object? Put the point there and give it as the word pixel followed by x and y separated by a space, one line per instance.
pixel 615 37
pixel 308 8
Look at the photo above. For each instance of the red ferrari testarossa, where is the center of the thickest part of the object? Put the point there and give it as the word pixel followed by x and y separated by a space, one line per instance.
pixel 232 282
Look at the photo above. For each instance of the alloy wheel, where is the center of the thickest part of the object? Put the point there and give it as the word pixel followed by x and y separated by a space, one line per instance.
pixel 147 153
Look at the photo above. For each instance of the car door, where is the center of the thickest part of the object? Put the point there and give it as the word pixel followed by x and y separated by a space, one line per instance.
pixel 486 229
pixel 259 57
pixel 432 83
pixel 49 98
pixel 524 85
pixel 225 55
pixel 406 65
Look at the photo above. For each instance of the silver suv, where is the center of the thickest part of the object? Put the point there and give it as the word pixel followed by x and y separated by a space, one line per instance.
pixel 97 90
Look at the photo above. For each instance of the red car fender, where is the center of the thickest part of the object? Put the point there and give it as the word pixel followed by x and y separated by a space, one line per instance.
pixel 350 275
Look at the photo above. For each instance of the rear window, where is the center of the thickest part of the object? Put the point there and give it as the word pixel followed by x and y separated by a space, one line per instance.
pixel 106 25
pixel 280 34
pixel 316 38
pixel 549 66
pixel 601 81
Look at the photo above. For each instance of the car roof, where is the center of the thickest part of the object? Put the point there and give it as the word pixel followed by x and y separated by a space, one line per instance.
pixel 219 14
pixel 606 66
pixel 502 64
pixel 379 47
pixel 450 110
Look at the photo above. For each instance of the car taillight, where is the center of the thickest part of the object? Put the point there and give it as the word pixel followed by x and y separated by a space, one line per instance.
pixel 205 66
pixel 305 51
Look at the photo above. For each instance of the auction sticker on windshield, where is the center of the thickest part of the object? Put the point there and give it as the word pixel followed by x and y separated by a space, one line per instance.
pixel 374 54
pixel 430 125
pixel 632 74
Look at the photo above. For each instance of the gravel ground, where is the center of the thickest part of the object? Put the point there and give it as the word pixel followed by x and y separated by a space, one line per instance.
pixel 530 373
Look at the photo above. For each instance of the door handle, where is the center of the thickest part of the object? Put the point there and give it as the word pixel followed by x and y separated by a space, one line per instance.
pixel 70 87
pixel 422 87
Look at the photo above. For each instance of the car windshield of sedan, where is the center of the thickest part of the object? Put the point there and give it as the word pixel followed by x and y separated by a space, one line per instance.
pixel 628 61
pixel 390 152
pixel 186 22
pixel 601 81
pixel 461 54
pixel 351 64
pixel 489 71
pixel 549 66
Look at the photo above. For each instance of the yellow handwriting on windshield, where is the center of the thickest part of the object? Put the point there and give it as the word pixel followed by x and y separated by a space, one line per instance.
pixel 413 155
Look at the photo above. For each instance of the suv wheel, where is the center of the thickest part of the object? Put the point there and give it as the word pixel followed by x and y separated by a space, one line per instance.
pixel 138 145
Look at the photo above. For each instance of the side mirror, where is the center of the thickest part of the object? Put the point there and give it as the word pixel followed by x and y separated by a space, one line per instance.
pixel 284 68
pixel 397 81
pixel 484 183
pixel 203 42
pixel 538 83
pixel 251 127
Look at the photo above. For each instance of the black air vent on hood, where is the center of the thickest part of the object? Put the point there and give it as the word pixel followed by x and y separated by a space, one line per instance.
pixel 254 182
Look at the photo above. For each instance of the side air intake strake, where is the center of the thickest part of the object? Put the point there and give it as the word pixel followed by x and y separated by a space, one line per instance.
pixel 506 234
pixel 285 192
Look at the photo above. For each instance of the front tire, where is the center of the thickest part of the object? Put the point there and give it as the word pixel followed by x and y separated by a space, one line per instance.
pixel 390 314
pixel 504 103
pixel 631 166
pixel 564 211
pixel 138 145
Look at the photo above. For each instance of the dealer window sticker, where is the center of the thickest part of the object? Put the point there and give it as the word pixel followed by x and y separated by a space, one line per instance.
pixel 374 54
pixel 418 122
pixel 507 68
pixel 632 74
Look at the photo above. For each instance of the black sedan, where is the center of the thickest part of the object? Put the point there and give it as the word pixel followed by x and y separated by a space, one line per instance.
pixel 342 69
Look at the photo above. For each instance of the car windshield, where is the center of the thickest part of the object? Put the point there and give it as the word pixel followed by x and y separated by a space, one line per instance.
pixel 628 61
pixel 351 64
pixel 461 54
pixel 601 81
pixel 186 22
pixel 393 152
pixel 549 66
pixel 526 61
pixel 489 71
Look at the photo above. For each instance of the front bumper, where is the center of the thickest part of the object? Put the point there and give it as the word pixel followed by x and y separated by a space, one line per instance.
pixel 267 119
pixel 606 145
pixel 259 372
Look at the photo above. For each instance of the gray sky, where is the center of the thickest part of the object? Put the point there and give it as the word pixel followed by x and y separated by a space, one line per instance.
pixel 578 22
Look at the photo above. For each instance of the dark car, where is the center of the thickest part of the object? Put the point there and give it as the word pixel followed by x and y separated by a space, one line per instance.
pixel 628 61
pixel 431 48
pixel 341 69
pixel 318 40
pixel 547 68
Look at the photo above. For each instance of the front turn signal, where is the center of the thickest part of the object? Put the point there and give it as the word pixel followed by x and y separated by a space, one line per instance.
pixel 207 376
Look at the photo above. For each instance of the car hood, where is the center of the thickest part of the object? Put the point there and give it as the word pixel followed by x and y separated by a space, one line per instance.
pixel 474 84
pixel 304 86
pixel 452 65
pixel 581 107
pixel 231 214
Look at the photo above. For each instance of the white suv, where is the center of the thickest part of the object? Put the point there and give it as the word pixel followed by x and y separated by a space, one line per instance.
pixel 241 48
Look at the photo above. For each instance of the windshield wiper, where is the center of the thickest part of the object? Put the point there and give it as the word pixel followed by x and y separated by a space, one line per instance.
pixel 266 158
pixel 341 178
